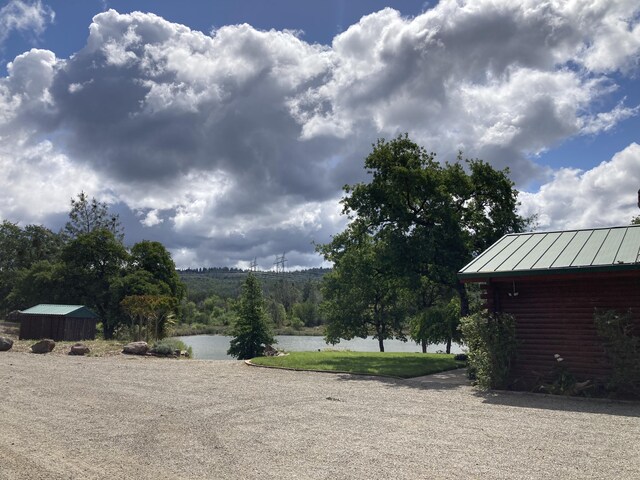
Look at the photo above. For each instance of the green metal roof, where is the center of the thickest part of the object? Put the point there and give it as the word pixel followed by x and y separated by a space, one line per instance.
pixel 571 251
pixel 76 311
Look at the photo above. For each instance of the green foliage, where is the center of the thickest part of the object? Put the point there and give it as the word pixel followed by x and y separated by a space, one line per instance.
pixel 278 312
pixel 430 218
pixel 251 332
pixel 89 215
pixel 290 297
pixel 150 315
pixel 20 250
pixel 362 295
pixel 438 215
pixel 184 330
pixel 635 220
pixel 560 381
pixel 622 344
pixel 491 340
pixel 404 365
pixel 162 349
pixel 92 262
pixel 436 324
pixel 169 346
pixel 87 265
pixel 153 257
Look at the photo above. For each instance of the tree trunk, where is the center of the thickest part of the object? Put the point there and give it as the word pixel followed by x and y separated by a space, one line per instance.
pixel 381 344
pixel 464 299
pixel 107 330
pixel 449 345
pixel 424 345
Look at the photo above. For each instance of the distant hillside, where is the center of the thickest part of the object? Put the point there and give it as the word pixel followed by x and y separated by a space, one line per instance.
pixel 226 282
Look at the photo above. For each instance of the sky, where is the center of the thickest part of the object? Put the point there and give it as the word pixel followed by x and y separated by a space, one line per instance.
pixel 227 130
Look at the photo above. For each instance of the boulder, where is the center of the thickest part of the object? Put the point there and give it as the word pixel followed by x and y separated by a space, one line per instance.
pixel 43 346
pixel 79 349
pixel 5 344
pixel 136 348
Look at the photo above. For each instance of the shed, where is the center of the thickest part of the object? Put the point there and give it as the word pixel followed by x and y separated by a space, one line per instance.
pixel 552 282
pixel 58 322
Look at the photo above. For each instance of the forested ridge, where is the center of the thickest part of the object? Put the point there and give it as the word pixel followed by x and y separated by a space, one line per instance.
pixel 292 299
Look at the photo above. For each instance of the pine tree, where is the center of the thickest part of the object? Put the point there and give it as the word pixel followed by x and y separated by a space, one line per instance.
pixel 251 332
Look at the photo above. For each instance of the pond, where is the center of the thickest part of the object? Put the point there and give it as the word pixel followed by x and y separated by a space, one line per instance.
pixel 214 347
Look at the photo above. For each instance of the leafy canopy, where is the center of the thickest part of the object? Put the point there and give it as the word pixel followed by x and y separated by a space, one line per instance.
pixel 425 220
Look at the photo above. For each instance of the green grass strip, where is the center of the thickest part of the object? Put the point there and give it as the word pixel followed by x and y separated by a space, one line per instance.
pixel 403 365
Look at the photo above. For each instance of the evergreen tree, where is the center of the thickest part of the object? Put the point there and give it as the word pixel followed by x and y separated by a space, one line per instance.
pixel 251 332
pixel 87 215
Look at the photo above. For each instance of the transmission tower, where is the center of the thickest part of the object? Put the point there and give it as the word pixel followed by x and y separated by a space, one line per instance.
pixel 282 284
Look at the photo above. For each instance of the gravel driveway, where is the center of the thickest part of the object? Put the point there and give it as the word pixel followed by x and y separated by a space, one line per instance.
pixel 70 417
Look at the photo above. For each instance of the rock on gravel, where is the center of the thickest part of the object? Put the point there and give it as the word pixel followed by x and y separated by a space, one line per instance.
pixel 79 349
pixel 136 348
pixel 5 344
pixel 43 346
pixel 145 418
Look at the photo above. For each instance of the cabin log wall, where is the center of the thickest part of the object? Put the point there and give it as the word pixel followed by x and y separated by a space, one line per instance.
pixel 555 316
pixel 57 327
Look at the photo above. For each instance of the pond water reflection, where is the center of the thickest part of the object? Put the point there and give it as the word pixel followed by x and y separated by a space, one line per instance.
pixel 214 347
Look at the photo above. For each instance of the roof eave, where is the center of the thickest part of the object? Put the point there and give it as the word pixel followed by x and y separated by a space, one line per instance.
pixel 484 276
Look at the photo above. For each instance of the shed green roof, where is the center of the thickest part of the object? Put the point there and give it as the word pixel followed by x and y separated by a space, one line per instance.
pixel 571 251
pixel 75 311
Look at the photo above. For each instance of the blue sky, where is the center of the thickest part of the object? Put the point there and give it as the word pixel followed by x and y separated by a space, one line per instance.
pixel 229 142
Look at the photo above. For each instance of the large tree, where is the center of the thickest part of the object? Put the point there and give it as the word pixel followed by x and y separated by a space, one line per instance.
pixel 92 264
pixel 362 294
pixel 251 331
pixel 20 250
pixel 433 217
pixel 436 216
pixel 154 258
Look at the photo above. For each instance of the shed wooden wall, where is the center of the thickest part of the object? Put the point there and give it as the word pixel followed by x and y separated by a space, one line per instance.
pixel 555 316
pixel 57 327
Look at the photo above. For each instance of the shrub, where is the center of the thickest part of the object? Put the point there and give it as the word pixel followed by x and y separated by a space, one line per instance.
pixel 560 381
pixel 491 340
pixel 169 346
pixel 622 346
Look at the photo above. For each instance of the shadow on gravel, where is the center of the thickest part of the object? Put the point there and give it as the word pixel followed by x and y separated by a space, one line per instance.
pixel 560 403
pixel 420 384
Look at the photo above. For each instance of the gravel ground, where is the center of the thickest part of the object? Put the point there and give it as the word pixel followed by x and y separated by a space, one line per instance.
pixel 123 417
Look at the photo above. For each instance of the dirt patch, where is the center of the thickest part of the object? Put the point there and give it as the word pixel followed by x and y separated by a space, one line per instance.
pixel 9 329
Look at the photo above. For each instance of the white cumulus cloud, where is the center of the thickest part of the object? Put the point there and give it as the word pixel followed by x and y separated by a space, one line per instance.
pixel 235 144
pixel 29 18
pixel 602 196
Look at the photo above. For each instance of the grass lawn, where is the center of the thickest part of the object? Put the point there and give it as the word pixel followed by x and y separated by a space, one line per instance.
pixel 404 365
